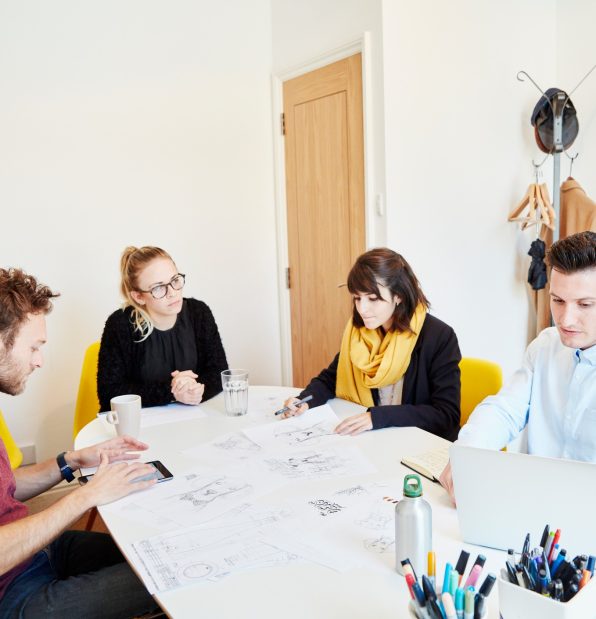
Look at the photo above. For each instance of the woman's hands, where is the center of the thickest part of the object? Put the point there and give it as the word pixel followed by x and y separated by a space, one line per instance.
pixel 185 387
pixel 355 424
pixel 294 410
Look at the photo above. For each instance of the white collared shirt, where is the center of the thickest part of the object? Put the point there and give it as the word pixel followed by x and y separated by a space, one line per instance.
pixel 553 393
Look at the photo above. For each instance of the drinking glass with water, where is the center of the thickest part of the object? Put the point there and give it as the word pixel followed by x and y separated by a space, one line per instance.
pixel 235 388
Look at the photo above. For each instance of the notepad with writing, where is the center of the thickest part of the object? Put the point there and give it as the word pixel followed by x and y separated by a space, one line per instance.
pixel 430 464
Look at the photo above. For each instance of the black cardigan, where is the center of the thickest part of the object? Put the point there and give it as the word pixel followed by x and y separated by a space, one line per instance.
pixel 431 389
pixel 120 354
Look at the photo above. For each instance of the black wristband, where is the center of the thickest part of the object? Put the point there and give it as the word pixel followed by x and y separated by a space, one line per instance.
pixel 65 470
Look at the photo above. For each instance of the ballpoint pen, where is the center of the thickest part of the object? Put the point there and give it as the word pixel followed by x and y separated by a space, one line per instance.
pixel 308 398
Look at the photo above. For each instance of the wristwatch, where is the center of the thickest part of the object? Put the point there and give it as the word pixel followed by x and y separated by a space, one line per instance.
pixel 65 470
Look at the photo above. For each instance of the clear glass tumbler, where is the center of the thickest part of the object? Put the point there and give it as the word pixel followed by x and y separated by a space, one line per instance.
pixel 235 388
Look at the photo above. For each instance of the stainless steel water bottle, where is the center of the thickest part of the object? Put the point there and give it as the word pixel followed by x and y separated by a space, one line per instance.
pixel 413 527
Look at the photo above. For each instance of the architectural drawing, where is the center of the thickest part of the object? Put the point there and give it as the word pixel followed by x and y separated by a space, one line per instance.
pixel 211 551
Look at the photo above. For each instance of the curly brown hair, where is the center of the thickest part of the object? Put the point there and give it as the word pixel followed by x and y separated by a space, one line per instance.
pixel 20 295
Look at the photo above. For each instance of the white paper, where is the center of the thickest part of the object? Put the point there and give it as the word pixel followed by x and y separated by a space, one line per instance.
pixel 358 518
pixel 172 413
pixel 340 460
pixel 211 551
pixel 232 446
pixel 316 427
pixel 198 496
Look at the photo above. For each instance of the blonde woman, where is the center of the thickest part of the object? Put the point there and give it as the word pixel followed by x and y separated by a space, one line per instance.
pixel 160 345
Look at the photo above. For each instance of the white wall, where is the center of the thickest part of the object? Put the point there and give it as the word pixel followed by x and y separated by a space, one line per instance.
pixel 138 122
pixel 576 55
pixel 459 147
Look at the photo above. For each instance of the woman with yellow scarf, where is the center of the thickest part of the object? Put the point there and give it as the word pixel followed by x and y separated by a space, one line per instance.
pixel 395 358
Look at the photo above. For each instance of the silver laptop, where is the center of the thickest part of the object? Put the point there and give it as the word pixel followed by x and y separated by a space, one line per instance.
pixel 501 496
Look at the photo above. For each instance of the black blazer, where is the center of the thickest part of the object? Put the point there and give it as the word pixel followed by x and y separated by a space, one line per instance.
pixel 120 354
pixel 431 390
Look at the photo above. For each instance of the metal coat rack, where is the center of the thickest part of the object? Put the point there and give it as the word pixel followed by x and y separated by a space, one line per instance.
pixel 559 101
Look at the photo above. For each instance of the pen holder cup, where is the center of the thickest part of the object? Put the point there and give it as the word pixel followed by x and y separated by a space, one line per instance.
pixel 519 603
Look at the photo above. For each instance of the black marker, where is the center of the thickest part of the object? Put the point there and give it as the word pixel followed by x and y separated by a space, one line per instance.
pixel 285 409
pixel 460 568
pixel 544 538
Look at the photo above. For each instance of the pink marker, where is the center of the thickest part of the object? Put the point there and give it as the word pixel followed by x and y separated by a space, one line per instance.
pixel 475 571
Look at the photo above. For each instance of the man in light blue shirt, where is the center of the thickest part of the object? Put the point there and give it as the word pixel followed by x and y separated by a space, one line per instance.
pixel 554 392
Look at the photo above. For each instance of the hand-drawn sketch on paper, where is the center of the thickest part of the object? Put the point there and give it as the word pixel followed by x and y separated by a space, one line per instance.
pixel 380 545
pixel 319 464
pixel 211 551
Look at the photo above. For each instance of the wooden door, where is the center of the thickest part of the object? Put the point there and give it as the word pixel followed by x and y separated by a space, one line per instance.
pixel 325 206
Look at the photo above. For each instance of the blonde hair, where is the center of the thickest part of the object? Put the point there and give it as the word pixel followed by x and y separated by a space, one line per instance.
pixel 132 262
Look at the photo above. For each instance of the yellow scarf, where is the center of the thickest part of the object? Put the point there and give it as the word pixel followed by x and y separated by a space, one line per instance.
pixel 368 360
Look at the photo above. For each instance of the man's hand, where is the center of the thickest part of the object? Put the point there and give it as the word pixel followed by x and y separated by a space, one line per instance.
pixel 114 481
pixel 185 387
pixel 446 480
pixel 118 448
pixel 355 424
pixel 293 409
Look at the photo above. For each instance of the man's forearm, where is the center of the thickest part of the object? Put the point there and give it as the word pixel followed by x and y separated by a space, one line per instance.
pixel 37 478
pixel 22 539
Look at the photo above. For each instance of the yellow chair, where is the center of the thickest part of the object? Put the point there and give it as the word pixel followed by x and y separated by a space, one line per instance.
pixel 15 455
pixel 87 405
pixel 479 378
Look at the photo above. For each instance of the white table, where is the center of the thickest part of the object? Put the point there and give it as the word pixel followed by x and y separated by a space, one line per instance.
pixel 306 590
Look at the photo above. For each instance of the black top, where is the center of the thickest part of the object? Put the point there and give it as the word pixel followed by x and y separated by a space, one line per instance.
pixel 144 368
pixel 431 389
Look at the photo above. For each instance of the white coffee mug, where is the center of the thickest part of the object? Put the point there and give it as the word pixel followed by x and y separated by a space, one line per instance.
pixel 126 415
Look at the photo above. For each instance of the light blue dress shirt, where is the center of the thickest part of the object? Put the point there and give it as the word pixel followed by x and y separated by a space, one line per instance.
pixel 553 393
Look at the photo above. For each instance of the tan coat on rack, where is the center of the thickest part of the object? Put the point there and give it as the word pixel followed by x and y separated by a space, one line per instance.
pixel 577 214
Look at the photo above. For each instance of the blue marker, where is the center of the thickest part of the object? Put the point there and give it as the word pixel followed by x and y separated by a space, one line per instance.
pixel 590 565
pixel 557 562
pixel 460 596
pixel 447 578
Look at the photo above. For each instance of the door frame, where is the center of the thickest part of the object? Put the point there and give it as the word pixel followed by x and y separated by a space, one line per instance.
pixel 360 45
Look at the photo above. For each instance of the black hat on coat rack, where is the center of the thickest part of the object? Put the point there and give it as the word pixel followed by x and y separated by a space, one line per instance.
pixel 543 120
pixel 555 129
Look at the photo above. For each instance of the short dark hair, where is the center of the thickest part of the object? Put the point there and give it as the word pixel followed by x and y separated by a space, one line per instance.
pixel 20 295
pixel 386 267
pixel 573 253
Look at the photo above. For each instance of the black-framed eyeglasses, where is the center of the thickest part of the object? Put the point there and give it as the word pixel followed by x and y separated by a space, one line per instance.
pixel 160 291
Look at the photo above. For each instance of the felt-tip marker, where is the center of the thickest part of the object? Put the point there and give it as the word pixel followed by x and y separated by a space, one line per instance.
pixel 460 567
pixel 285 409
pixel 469 604
pixel 475 571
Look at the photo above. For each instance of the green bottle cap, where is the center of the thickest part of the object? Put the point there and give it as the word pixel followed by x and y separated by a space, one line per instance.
pixel 412 486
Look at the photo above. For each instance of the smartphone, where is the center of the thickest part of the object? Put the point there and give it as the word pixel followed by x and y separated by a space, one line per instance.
pixel 161 473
